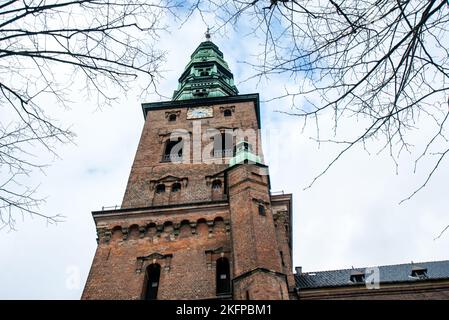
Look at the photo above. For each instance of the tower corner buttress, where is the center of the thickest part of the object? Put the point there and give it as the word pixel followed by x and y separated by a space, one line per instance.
pixel 258 271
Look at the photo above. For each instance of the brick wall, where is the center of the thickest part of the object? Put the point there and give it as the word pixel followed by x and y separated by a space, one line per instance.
pixel 254 239
pixel 118 273
pixel 282 222
pixel 148 168
pixel 261 285
pixel 187 230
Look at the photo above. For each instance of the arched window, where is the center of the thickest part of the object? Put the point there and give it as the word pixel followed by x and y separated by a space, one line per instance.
pixel 176 187
pixel 200 93
pixel 152 275
pixel 223 145
pixel 173 150
pixel 172 117
pixel 160 188
pixel 227 113
pixel 203 72
pixel 223 277
pixel 262 210
pixel 216 184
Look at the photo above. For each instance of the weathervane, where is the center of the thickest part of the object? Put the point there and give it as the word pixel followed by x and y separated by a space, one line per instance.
pixel 207 34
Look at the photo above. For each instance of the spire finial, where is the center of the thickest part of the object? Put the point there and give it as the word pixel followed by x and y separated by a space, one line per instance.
pixel 207 34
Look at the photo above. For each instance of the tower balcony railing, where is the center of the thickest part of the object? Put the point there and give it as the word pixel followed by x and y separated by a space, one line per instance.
pixel 225 153
pixel 214 198
pixel 172 158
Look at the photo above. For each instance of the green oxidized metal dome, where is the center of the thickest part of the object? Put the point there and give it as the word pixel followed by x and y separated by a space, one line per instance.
pixel 206 75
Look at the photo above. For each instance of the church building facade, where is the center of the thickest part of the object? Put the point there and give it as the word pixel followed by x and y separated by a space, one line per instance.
pixel 199 221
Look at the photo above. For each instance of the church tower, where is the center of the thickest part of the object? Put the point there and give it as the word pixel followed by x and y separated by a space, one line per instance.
pixel 198 219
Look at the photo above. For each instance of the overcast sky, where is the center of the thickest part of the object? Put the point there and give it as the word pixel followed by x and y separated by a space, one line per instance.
pixel 350 217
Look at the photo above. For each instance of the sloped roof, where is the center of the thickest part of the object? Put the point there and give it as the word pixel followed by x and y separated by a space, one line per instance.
pixel 206 75
pixel 387 274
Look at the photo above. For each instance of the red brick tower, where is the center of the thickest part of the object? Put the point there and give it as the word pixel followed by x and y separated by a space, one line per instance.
pixel 197 219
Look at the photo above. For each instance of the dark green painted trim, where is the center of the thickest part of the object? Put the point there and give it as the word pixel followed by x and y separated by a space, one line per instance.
pixel 203 101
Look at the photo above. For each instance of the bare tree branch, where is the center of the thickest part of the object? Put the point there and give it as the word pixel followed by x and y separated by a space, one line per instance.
pixel 47 47
pixel 383 62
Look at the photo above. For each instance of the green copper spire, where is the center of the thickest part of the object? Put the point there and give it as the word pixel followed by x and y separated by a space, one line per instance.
pixel 244 154
pixel 206 75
